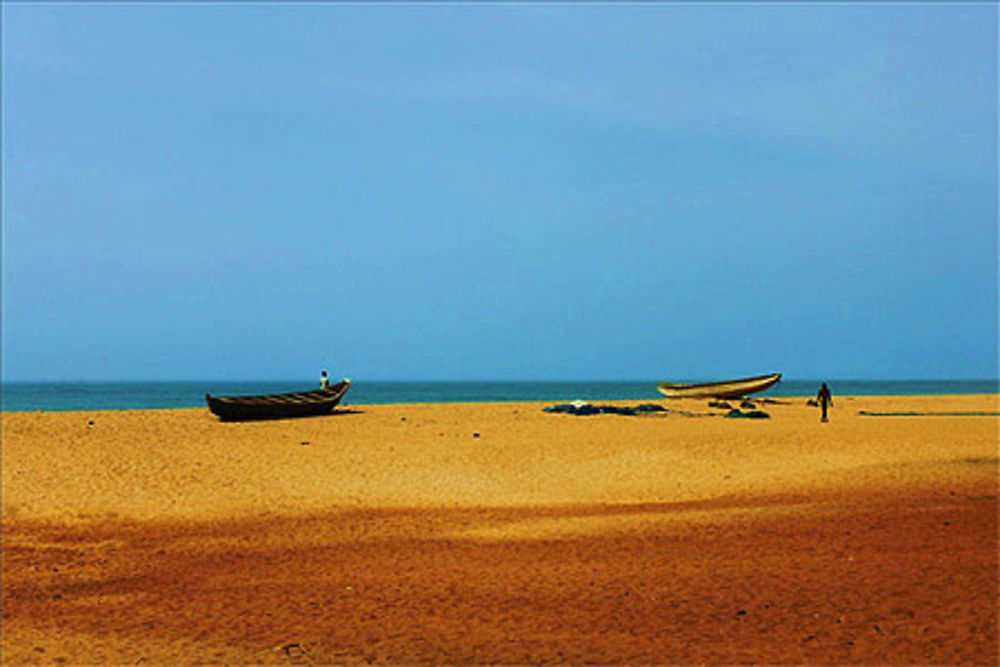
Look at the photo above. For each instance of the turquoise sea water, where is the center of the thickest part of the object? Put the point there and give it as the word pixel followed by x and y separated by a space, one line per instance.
pixel 28 396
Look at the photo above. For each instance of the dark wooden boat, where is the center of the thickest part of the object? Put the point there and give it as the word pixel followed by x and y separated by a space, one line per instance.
pixel 725 389
pixel 278 406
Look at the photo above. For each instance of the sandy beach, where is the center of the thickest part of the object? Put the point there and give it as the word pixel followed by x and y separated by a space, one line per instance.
pixel 497 533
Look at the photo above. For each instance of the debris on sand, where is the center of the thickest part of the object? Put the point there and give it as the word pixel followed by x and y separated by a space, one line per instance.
pixel 749 414
pixel 583 409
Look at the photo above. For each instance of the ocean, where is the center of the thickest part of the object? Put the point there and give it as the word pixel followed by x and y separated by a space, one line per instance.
pixel 63 396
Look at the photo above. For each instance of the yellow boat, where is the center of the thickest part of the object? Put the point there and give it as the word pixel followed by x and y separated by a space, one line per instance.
pixel 724 389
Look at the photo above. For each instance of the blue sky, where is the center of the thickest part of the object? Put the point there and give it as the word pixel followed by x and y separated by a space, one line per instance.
pixel 499 191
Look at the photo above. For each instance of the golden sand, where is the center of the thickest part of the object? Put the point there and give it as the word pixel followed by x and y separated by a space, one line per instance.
pixel 499 533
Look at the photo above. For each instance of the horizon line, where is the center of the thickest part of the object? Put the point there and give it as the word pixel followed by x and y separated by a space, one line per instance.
pixel 64 381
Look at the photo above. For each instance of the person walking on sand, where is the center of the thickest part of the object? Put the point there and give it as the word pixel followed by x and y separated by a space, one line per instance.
pixel 824 399
pixel 324 382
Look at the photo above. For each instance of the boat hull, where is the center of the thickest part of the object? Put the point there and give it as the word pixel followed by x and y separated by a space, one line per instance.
pixel 726 389
pixel 277 406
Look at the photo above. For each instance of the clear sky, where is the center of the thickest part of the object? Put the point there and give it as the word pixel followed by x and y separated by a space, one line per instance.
pixel 499 191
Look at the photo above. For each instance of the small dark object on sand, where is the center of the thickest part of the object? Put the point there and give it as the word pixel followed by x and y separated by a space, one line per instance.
pixel 296 649
pixel 752 414
pixel 722 405
pixel 581 409
pixel 812 402
pixel 748 405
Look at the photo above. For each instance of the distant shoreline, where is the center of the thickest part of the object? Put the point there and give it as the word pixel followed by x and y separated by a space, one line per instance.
pixel 68 396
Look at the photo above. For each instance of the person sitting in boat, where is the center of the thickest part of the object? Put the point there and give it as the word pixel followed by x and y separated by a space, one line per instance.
pixel 324 381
